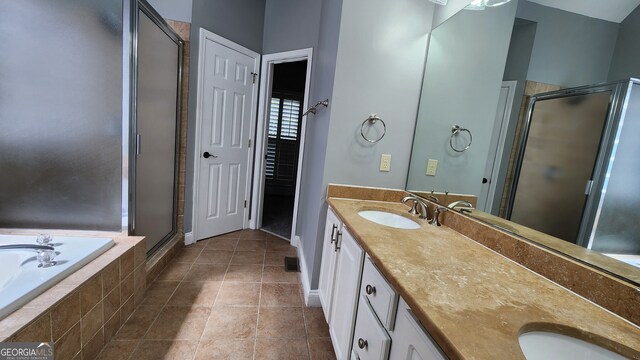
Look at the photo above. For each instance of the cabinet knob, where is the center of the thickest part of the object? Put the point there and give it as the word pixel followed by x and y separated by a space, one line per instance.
pixel 362 343
pixel 371 290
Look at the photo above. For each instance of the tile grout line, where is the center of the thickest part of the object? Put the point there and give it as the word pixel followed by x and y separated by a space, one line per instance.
pixel 155 319
pixel 212 304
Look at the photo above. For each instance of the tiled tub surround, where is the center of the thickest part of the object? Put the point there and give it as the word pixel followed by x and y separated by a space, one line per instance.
pixel 473 301
pixel 226 297
pixel 83 312
pixel 618 296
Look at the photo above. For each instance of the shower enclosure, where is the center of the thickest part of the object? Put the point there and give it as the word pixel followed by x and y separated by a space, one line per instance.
pixel 155 97
pixel 89 106
pixel 578 165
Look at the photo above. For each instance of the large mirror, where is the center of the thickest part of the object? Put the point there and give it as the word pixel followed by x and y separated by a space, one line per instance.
pixel 524 107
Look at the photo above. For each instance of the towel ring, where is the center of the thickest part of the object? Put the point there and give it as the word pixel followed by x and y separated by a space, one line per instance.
pixel 372 119
pixel 455 129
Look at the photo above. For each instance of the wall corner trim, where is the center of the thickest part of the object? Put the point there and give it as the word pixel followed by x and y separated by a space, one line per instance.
pixel 311 297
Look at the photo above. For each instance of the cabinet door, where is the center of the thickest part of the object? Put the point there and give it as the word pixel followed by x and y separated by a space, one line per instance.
pixel 345 294
pixel 328 264
pixel 370 339
pixel 410 340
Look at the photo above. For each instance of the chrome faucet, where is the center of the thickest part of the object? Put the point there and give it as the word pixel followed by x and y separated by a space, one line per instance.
pixel 435 221
pixel 46 253
pixel 424 207
pixel 460 203
pixel 26 247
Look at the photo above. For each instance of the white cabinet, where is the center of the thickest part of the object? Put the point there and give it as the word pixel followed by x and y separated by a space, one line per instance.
pixel 384 326
pixel 370 340
pixel 345 293
pixel 410 340
pixel 328 266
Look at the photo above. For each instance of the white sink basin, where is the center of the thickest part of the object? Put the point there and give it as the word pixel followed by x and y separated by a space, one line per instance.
pixel 547 345
pixel 389 219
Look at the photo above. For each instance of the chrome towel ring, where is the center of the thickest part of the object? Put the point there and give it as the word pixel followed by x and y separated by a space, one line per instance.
pixel 372 119
pixel 455 129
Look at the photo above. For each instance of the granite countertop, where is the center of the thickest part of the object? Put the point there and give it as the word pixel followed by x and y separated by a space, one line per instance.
pixel 473 301
pixel 592 257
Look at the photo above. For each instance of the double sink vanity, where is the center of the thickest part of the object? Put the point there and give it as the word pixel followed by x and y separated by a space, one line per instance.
pixel 393 286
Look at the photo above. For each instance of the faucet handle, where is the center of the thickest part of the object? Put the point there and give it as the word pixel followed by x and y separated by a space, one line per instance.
pixel 435 221
pixel 414 208
pixel 44 239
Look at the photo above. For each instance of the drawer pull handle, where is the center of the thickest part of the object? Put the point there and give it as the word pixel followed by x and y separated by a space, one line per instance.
pixel 362 343
pixel 371 290
pixel 336 247
pixel 333 233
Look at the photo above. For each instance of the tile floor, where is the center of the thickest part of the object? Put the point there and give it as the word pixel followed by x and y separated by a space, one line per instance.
pixel 226 297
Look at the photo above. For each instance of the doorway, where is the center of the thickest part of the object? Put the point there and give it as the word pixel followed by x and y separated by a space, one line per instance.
pixel 280 142
pixel 498 140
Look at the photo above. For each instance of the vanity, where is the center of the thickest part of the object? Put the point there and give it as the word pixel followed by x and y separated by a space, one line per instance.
pixel 432 293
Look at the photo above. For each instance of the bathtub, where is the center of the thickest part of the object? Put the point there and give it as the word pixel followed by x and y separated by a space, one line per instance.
pixel 21 280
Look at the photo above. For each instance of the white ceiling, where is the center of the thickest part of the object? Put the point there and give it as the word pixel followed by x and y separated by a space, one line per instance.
pixel 611 10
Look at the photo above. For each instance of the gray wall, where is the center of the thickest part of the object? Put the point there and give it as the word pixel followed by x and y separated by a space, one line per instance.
pixel 569 49
pixel 626 57
pixel 463 76
pixel 291 25
pixel 240 21
pixel 517 67
pixel 378 70
pixel 312 205
pixel 179 10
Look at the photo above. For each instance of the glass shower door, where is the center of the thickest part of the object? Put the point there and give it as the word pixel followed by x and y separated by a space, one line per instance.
pixel 560 153
pixel 156 122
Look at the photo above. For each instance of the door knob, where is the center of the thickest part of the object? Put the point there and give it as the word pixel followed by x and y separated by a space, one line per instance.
pixel 206 155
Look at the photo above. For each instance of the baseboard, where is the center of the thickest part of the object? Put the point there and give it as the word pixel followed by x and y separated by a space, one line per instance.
pixel 295 241
pixel 311 297
pixel 188 238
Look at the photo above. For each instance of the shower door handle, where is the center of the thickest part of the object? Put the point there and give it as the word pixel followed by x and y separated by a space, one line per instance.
pixel 206 155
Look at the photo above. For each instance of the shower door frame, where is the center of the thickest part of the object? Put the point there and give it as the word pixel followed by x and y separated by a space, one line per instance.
pixel 592 201
pixel 132 140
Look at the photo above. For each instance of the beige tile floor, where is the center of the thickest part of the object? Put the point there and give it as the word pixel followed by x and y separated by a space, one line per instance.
pixel 226 297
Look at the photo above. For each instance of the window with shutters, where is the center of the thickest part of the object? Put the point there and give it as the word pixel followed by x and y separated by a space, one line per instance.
pixel 283 140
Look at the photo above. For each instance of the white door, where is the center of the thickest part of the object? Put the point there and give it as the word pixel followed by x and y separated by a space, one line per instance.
pixel 498 139
pixel 226 107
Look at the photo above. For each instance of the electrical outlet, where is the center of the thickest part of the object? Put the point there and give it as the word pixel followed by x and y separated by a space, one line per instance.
pixel 432 166
pixel 385 162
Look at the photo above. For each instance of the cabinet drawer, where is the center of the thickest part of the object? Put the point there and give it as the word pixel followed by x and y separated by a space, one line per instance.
pixel 381 296
pixel 370 339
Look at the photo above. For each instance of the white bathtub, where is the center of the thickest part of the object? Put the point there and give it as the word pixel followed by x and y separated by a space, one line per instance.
pixel 21 280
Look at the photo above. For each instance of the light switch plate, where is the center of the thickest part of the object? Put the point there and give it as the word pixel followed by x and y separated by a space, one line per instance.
pixel 385 162
pixel 432 167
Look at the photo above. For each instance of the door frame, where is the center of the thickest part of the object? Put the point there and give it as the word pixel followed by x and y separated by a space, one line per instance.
pixel 266 79
pixel 204 35
pixel 502 139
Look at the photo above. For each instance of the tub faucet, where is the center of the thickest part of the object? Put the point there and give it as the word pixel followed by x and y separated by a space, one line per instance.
pixel 26 247
pixel 424 208
pixel 46 253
